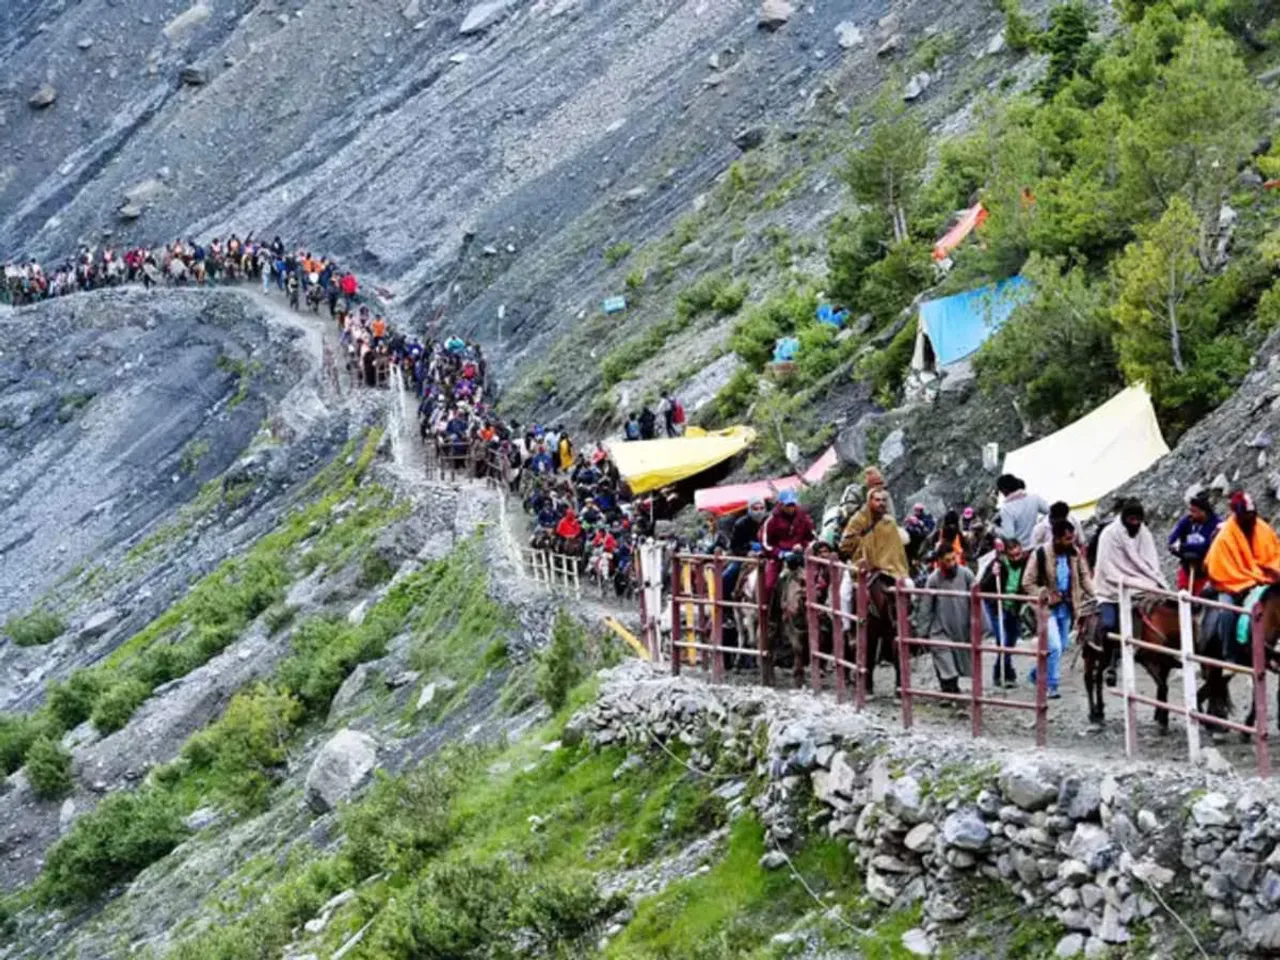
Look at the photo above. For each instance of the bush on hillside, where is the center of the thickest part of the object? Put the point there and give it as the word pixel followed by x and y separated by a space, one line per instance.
pixel 460 909
pixel 246 747
pixel 17 733
pixel 117 704
pixel 127 832
pixel 401 822
pixel 560 665
pixel 35 628
pixel 49 769
pixel 70 702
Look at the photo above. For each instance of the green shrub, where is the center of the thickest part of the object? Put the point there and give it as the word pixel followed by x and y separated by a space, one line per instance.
pixel 279 616
pixel 887 369
pixel 49 769
pixel 323 652
pixel 401 821
pixel 117 703
pixel 35 628
pixel 615 254
pixel 243 750
pixel 127 832
pixel 1019 34
pixel 635 279
pixel 712 292
pixel 729 299
pixel 890 284
pixel 162 663
pixel 375 569
pixel 560 665
pixel 17 733
pixel 781 314
pixel 70 702
pixel 460 909
pixel 735 397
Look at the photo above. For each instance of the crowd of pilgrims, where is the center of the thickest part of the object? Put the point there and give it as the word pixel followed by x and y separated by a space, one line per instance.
pixel 296 272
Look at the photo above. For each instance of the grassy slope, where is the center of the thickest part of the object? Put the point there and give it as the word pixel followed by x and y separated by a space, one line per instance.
pixel 560 820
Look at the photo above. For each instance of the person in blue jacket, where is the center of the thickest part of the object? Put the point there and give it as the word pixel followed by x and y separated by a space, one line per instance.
pixel 1189 541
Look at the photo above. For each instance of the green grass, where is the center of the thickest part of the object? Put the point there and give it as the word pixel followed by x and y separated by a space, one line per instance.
pixel 35 628
pixel 215 610
pixel 615 254
pixel 236 762
pixel 195 451
pixel 244 371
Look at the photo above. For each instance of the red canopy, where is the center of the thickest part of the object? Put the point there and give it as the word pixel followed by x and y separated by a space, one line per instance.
pixel 736 496
pixel 969 221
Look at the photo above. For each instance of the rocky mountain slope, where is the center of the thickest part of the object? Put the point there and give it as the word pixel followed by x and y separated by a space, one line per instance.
pixel 421 147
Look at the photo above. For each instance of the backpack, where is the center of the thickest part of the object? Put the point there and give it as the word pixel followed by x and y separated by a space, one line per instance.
pixel 677 413
pixel 633 430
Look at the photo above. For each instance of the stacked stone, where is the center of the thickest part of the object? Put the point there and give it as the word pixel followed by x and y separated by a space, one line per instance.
pixel 1096 851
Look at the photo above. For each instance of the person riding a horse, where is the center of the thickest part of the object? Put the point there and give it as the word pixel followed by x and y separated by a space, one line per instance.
pixel 1126 553
pixel 1244 555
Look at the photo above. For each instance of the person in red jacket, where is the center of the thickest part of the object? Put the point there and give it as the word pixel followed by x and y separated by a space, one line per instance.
pixel 569 533
pixel 348 285
pixel 788 529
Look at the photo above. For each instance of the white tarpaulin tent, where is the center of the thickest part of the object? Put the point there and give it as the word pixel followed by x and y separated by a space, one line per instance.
pixel 1086 460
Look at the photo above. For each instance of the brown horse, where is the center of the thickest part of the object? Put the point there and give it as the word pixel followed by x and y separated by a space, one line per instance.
pixel 1156 622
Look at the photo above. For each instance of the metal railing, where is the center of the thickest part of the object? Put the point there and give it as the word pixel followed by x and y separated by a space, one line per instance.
pixel 840 619
pixel 557 571
pixel 698 608
pixel 1190 661
pixel 977 698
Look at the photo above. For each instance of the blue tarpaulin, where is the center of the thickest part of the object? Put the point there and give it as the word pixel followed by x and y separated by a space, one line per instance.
pixel 785 350
pixel 831 316
pixel 956 326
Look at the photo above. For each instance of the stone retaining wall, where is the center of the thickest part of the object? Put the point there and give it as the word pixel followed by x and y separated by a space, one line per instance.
pixel 1110 853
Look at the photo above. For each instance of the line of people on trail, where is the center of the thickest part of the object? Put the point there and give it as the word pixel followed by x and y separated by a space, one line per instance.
pixel 298 274
pixel 1028 547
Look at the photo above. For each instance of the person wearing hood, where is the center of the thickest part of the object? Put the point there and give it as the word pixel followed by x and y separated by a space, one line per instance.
pixel 1126 554
pixel 947 617
pixel 569 528
pixel 1245 553
pixel 744 533
pixel 1019 510
pixel 1190 540
pixel 862 521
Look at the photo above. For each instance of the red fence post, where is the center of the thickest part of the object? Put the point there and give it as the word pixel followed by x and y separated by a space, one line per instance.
pixel 763 600
pixel 1260 745
pixel 839 639
pixel 862 607
pixel 975 640
pixel 1042 670
pixel 811 618
pixel 717 619
pixel 675 614
pixel 904 650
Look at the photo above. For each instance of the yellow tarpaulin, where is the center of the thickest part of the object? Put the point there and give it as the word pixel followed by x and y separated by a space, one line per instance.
pixel 1086 460
pixel 649 464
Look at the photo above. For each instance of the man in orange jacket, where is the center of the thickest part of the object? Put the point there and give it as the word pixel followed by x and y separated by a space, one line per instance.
pixel 1246 552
